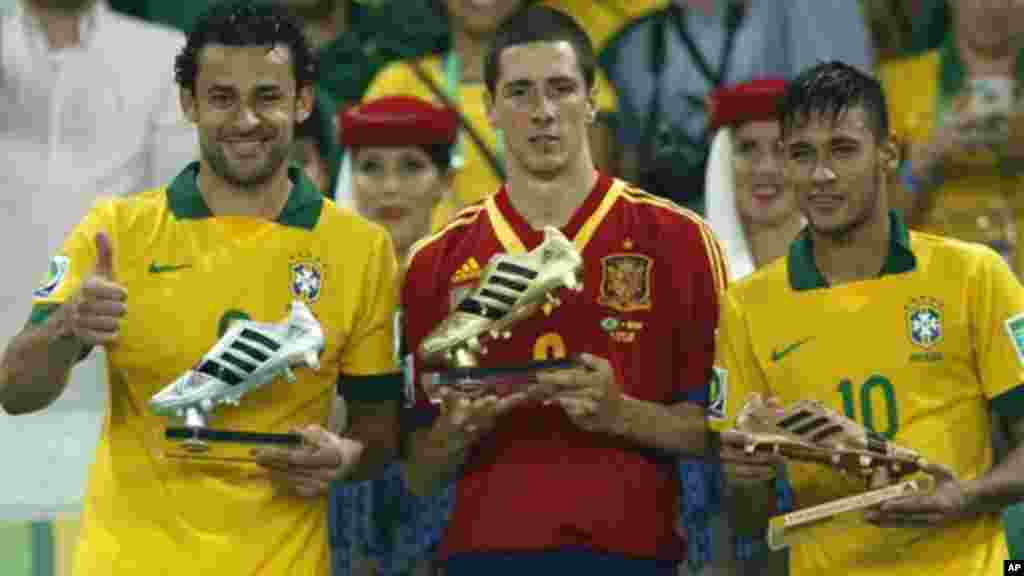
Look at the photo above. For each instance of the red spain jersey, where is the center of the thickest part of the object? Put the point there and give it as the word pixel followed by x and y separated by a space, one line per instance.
pixel 652 277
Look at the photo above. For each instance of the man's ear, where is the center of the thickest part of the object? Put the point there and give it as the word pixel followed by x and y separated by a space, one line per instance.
pixel 889 153
pixel 592 103
pixel 188 104
pixel 304 103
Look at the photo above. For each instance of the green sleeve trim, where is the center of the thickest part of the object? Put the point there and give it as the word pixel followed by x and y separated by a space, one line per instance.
pixel 1010 404
pixel 40 312
pixel 372 388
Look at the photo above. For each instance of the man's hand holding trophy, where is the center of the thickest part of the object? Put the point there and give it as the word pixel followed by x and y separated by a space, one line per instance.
pixel 901 487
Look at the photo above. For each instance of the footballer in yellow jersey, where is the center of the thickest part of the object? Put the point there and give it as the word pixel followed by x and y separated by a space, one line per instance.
pixel 157 278
pixel 919 352
pixel 188 274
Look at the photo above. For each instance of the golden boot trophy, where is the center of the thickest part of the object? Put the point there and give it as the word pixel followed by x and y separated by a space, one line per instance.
pixel 808 431
pixel 512 288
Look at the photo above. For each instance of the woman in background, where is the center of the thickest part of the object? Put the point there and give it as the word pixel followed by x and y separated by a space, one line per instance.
pixel 400 149
pixel 755 217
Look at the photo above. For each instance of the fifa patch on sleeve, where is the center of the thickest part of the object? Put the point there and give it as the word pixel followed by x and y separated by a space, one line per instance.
pixel 1015 328
pixel 54 276
pixel 718 393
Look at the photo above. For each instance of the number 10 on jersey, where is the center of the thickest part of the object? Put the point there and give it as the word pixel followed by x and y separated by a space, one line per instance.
pixel 871 388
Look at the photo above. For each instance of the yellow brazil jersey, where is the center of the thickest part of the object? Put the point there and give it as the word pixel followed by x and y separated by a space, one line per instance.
pixel 475 179
pixel 916 354
pixel 187 275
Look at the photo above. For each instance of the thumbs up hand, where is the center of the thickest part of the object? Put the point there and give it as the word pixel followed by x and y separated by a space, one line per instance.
pixel 93 315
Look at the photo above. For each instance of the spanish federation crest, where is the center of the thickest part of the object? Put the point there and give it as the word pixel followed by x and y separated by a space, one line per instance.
pixel 307 280
pixel 626 282
pixel 924 322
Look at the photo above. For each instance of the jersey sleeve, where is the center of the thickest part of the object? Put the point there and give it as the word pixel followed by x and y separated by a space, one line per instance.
pixel 700 286
pixel 997 315
pixel 75 261
pixel 424 306
pixel 735 374
pixel 371 348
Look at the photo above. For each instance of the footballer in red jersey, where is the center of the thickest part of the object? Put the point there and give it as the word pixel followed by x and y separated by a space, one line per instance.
pixel 583 478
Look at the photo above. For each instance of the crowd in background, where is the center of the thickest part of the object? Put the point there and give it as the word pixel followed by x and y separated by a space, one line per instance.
pixel 90 108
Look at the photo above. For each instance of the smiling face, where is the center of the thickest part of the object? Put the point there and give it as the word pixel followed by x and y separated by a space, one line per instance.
pixel 761 199
pixel 397 188
pixel 835 167
pixel 246 106
pixel 542 106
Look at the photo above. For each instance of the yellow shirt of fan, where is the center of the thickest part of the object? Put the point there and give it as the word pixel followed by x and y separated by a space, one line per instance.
pixel 475 179
pixel 187 275
pixel 916 354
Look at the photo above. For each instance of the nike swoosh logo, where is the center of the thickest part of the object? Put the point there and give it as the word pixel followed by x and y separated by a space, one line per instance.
pixel 155 268
pixel 779 354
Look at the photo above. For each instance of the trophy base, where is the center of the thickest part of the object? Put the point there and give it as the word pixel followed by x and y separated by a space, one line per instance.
pixel 197 443
pixel 499 380
pixel 786 529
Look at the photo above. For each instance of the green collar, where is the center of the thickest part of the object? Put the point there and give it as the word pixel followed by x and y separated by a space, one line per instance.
pixel 804 273
pixel 951 67
pixel 302 210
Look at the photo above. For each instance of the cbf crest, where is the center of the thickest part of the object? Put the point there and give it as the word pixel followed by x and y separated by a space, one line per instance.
pixel 626 282
pixel 307 278
pixel 924 322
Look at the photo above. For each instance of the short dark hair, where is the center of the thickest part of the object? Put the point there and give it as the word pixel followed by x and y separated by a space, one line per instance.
pixel 831 88
pixel 246 23
pixel 540 24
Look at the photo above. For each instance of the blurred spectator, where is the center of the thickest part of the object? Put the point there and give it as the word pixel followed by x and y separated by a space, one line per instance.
pixel 931 23
pixel 891 25
pixel 664 65
pixel 84 113
pixel 375 34
pixel 457 78
pixel 755 218
pixel 401 151
pixel 603 19
pixel 949 106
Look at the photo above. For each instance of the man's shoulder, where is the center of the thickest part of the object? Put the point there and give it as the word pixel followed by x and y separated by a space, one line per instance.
pixel 335 218
pixel 768 283
pixel 660 218
pixel 950 257
pixel 442 248
pixel 660 209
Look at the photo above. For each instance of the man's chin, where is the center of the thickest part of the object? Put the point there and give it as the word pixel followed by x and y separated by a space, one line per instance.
pixel 546 169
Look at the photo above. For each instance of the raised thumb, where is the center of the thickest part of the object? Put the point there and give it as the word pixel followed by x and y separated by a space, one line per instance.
pixel 104 256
